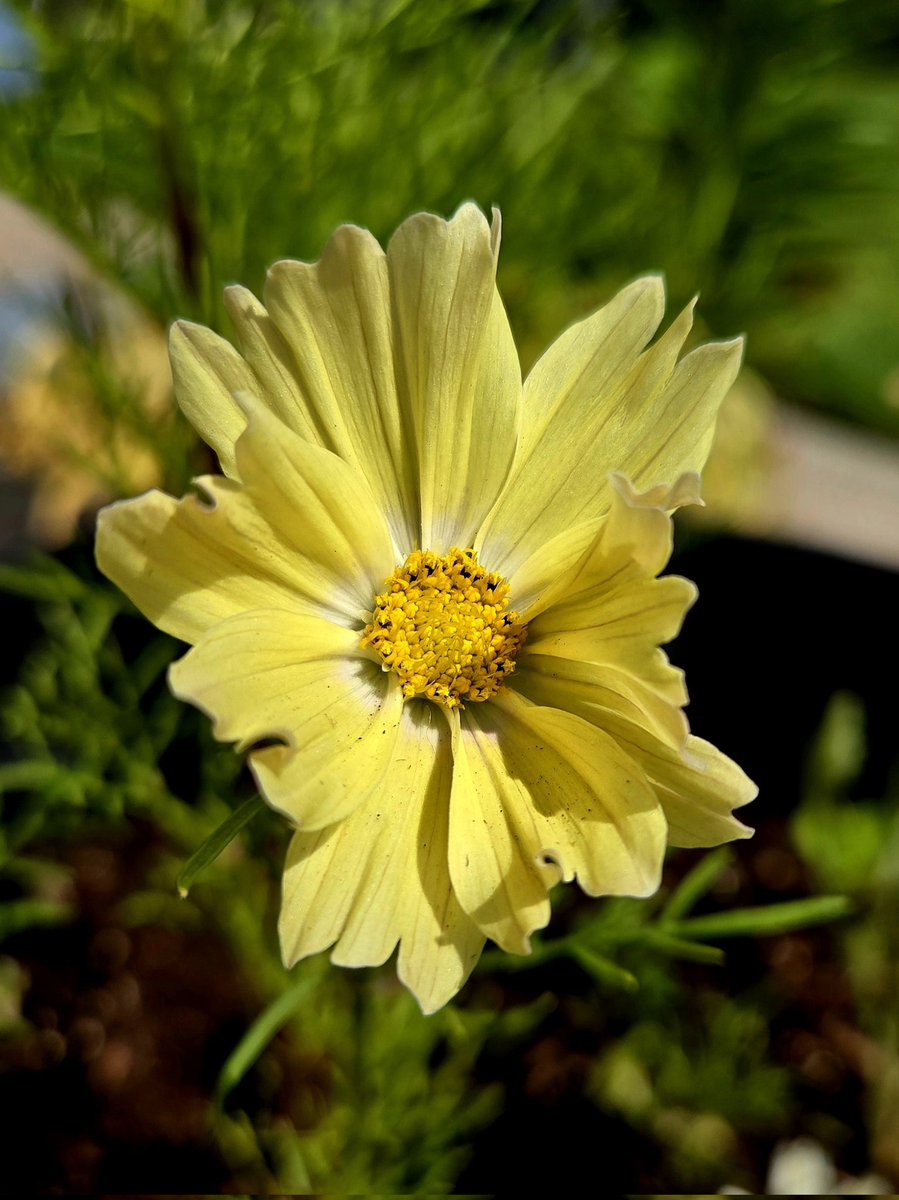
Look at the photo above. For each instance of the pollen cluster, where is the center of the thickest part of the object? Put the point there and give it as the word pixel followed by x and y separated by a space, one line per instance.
pixel 445 627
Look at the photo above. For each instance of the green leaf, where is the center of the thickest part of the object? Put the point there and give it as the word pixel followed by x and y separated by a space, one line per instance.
pixel 216 843
pixel 677 947
pixel 31 775
pixel 44 579
pixel 694 886
pixel 151 664
pixel 765 921
pixel 258 1036
pixel 25 914
pixel 603 969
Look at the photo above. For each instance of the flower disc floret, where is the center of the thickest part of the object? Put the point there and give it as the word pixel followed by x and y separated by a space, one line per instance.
pixel 444 626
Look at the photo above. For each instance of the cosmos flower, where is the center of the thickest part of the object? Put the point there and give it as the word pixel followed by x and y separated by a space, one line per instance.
pixel 428 595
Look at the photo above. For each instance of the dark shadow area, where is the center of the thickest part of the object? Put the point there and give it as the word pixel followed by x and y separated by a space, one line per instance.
pixel 776 631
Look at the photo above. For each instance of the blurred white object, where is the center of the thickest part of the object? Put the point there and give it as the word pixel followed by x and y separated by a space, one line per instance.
pixel 792 476
pixel 32 250
pixel 834 488
pixel 804 1168
pixel 801 1168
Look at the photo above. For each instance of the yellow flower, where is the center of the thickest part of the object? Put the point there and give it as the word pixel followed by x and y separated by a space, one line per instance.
pixel 436 589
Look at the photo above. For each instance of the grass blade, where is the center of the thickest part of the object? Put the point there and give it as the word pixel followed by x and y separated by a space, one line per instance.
pixel 216 842
pixel 269 1022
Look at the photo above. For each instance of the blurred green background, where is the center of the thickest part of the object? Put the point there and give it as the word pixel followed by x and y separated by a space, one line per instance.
pixel 149 1043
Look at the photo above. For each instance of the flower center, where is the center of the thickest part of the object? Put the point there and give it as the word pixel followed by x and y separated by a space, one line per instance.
pixel 445 627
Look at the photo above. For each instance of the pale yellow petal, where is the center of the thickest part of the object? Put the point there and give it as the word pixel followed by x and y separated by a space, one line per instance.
pixel 687 489
pixel 633 540
pixel 303 680
pixel 335 315
pixel 598 691
pixel 540 575
pixel 681 417
pixel 457 366
pixel 620 627
pixel 207 372
pixel 318 888
pixel 188 564
pixel 571 412
pixel 304 533
pixel 538 795
pixel 697 785
pixel 319 505
pixel 608 609
pixel 651 610
pixel 494 847
pixel 270 358
pixel 699 791
pixel 598 402
pixel 639 524
pixel 381 876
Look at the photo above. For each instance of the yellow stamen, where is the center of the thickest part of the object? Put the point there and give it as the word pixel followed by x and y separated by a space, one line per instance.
pixel 445 627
